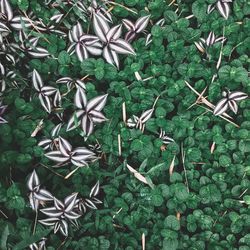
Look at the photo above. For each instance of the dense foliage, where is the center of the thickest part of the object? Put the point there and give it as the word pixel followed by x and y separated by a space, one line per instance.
pixel 124 124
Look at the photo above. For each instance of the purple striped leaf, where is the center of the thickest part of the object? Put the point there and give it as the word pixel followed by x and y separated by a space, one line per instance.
pixel 97 103
pixel 101 27
pixel 56 156
pixel 221 107
pixel 141 24
pixel 45 102
pixel 37 80
pixel 237 96
pixel 64 147
pixel 120 46
pixel 95 190
pixel 80 99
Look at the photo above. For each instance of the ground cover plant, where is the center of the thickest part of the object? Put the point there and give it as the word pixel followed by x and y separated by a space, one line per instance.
pixel 124 124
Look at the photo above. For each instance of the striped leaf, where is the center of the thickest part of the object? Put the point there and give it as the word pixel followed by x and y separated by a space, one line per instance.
pixel 141 24
pixel 20 22
pixel 49 221
pixel 81 52
pixel 48 90
pixel 43 195
pixel 87 125
pixel 101 27
pixel 64 228
pixel 77 32
pixel 120 46
pixel 97 103
pixel 221 107
pixel 128 25
pixel 237 96
pixel 114 33
pixel 95 190
pixel 56 130
pixel 223 8
pixel 111 57
pixel 45 102
pixel 33 181
pixel 38 52
pixel 233 106
pixel 74 121
pixel 80 99
pixel 146 115
pixel 64 147
pixel 6 9
pixel 56 156
pixel 52 212
pixel 37 80
pixel 82 154
pixel 97 116
pixel 69 202
pixel 210 39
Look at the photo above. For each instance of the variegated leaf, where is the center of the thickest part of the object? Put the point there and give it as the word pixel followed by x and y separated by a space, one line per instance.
pixel 48 90
pixel 64 147
pixel 82 154
pixel 87 125
pixel 52 212
pixel 81 52
pixel 56 156
pixel 121 47
pixel 95 190
pixel 114 33
pixel 141 23
pixel 233 106
pixel 210 39
pixel 221 107
pixel 75 121
pixel 90 204
pixel 33 181
pixel 128 25
pixel 237 96
pixel 77 32
pixel 37 80
pixel 49 221
pixel 97 103
pixel 80 99
pixel 101 27
pixel 64 227
pixel 146 115
pixel 70 202
pixel 39 52
pixel 45 102
pixel 56 130
pixel 223 8
pixel 97 116
pixel 43 195
pixel 6 9
pixel 20 22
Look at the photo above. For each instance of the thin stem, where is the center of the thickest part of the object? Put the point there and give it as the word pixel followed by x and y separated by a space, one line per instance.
pixel 72 172
pixel 34 228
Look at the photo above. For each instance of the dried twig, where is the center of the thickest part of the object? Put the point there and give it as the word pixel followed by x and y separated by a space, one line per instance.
pixel 4 214
pixel 210 105
pixel 171 167
pixel 119 145
pixel 122 6
pixel 124 116
pixel 184 167
pixel 212 148
pixel 54 172
pixel 143 241
pixel 37 129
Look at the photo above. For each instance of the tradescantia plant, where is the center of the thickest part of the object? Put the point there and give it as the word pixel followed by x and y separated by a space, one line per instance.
pixel 124 124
